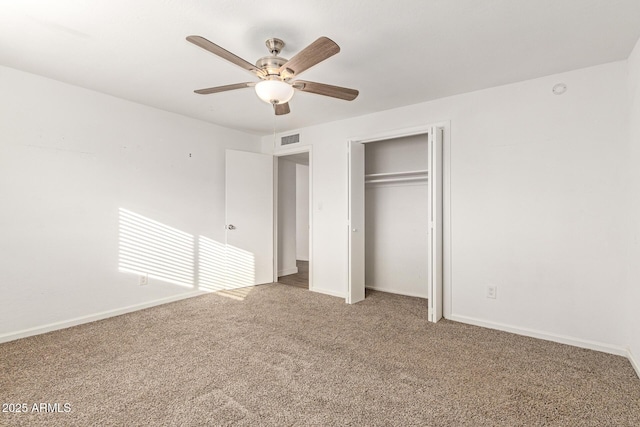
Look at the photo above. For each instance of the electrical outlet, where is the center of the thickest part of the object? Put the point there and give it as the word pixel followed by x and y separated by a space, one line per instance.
pixel 144 279
pixel 492 291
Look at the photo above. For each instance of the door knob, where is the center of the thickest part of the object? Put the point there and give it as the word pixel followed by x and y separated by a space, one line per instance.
pixel 231 227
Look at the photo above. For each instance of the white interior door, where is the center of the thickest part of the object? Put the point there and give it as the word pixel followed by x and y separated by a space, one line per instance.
pixel 356 223
pixel 435 262
pixel 249 218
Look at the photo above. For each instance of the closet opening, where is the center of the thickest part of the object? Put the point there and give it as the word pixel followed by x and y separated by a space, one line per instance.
pixel 396 215
pixel 293 220
pixel 397 227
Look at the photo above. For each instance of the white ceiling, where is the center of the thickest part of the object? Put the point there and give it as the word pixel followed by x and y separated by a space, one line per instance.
pixel 396 52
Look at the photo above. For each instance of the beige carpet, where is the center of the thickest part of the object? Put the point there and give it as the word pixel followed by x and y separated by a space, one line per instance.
pixel 286 356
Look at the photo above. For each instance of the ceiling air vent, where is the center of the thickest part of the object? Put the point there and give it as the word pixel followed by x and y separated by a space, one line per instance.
pixel 290 139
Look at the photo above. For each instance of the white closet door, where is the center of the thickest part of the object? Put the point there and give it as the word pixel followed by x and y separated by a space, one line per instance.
pixel 356 223
pixel 249 217
pixel 436 136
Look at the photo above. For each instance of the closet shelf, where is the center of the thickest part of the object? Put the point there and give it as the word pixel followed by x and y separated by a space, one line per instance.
pixel 405 176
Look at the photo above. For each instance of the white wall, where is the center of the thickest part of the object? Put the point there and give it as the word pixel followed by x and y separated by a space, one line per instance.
pixel 409 153
pixel 536 190
pixel 286 217
pixel 70 158
pixel 396 220
pixel 633 294
pixel 302 212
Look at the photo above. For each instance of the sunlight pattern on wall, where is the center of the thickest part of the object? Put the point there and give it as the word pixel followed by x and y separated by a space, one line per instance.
pixel 223 266
pixel 211 264
pixel 240 268
pixel 150 247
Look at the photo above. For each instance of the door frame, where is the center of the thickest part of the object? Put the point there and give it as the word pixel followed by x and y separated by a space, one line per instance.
pixel 276 156
pixel 446 202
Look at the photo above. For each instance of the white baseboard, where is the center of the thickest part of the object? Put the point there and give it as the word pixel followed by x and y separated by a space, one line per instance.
pixel 93 317
pixel 634 362
pixel 287 271
pixel 394 291
pixel 328 292
pixel 562 339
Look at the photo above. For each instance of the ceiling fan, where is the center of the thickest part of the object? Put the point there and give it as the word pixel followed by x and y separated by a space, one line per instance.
pixel 276 74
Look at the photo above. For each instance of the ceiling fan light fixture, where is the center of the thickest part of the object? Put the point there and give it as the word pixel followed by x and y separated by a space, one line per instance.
pixel 274 91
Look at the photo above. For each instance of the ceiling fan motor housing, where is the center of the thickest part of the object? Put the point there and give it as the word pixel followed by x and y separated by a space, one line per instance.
pixel 271 65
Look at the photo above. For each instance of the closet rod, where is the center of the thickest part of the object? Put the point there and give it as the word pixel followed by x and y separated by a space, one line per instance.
pixel 410 178
pixel 376 175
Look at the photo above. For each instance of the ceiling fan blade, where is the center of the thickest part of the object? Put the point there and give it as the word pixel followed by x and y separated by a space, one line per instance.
pixel 326 90
pixel 281 109
pixel 316 52
pixel 224 54
pixel 224 88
